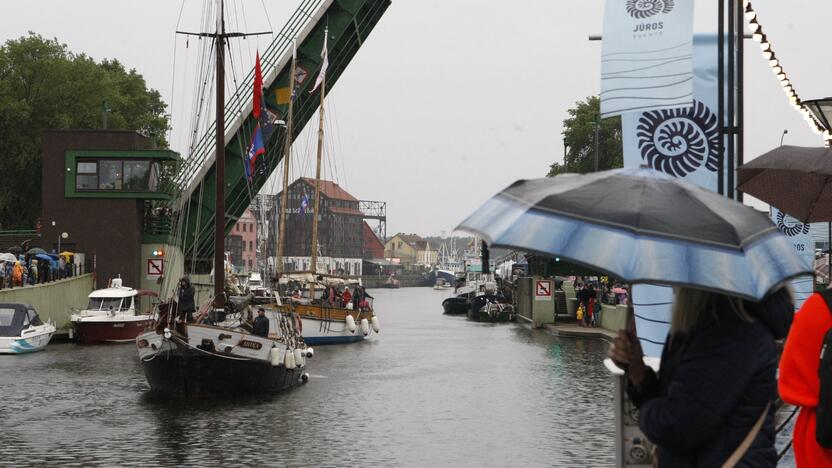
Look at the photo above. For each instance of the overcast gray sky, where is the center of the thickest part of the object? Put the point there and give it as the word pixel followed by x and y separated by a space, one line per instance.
pixel 448 101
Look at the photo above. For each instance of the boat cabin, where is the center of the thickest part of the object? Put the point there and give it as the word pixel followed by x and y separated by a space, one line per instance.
pixel 14 318
pixel 117 299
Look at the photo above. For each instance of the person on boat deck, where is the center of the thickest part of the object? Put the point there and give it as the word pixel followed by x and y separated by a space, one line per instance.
pixel 346 297
pixel 711 399
pixel 187 306
pixel 331 295
pixel 261 324
pixel 799 382
pixel 363 302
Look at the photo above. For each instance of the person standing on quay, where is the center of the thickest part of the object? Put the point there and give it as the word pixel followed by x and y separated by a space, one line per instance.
pixel 799 382
pixel 711 400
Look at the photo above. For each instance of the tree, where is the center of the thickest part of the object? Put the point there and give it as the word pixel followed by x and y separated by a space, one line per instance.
pixel 43 85
pixel 579 137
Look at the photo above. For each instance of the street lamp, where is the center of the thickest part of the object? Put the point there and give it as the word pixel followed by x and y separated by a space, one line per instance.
pixel 786 131
pixel 821 109
pixel 63 235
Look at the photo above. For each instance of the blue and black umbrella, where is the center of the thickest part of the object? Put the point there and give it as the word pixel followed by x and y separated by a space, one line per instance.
pixel 642 226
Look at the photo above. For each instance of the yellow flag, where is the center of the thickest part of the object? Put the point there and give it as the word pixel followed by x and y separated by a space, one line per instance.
pixel 282 95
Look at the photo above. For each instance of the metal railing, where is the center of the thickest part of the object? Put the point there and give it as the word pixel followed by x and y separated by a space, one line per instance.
pixel 241 98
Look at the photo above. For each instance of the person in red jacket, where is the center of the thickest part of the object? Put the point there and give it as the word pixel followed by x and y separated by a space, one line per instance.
pixel 799 384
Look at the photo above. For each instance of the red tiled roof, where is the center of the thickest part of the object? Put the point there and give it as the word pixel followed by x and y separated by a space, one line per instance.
pixel 331 190
pixel 373 248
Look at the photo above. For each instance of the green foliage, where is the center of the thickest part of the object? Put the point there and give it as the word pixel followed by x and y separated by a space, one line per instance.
pixel 579 136
pixel 43 85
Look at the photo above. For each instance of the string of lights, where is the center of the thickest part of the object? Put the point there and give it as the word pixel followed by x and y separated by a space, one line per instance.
pixel 777 68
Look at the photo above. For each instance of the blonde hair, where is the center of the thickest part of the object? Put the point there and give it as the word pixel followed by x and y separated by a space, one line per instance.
pixel 690 306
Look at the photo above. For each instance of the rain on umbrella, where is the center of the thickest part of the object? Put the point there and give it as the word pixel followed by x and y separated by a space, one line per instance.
pixel 35 251
pixel 644 227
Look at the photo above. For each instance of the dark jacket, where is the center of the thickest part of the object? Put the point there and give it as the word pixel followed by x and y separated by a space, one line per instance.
pixel 714 384
pixel 186 299
pixel 261 327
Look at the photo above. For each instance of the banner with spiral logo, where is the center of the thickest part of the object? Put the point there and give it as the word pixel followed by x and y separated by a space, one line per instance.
pixel 683 142
pixel 804 246
pixel 646 61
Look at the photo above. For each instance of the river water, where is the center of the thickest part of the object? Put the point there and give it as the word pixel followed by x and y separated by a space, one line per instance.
pixel 428 390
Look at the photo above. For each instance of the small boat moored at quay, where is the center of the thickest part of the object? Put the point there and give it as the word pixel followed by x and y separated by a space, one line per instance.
pixel 22 330
pixel 113 315
pixel 455 305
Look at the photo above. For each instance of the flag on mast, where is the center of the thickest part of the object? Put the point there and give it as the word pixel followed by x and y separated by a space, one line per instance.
pixel 254 151
pixel 324 65
pixel 258 88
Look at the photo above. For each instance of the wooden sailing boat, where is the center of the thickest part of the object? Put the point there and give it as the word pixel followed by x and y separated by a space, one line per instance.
pixel 324 320
pixel 202 359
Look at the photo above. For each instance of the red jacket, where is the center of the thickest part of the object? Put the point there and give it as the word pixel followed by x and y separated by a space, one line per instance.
pixel 799 383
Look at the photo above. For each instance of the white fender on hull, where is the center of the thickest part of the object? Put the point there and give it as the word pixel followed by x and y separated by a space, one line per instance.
pixel 310 352
pixel 274 356
pixel 289 360
pixel 350 323
pixel 374 323
pixel 298 357
pixel 365 327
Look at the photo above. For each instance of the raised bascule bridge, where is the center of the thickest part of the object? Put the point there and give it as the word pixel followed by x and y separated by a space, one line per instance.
pixel 184 227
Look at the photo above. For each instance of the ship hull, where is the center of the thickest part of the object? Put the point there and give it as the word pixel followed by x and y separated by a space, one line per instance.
pixel 178 371
pixel 110 331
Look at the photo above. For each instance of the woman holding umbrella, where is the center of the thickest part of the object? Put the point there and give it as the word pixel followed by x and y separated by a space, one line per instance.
pixel 710 401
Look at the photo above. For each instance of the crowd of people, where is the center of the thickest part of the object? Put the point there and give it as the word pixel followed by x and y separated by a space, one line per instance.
pixel 31 270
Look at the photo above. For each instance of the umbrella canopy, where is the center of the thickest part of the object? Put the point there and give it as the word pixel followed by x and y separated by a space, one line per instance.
pixel 795 179
pixel 644 227
pixel 67 253
pixel 44 257
pixel 35 251
pixel 7 257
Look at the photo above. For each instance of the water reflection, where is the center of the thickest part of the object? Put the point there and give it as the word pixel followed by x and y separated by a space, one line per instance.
pixel 430 389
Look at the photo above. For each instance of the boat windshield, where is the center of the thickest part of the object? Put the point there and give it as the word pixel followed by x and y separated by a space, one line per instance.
pixel 254 283
pixel 6 317
pixel 107 303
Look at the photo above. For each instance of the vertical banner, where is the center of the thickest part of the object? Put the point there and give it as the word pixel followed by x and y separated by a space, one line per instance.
pixel 804 246
pixel 682 142
pixel 646 60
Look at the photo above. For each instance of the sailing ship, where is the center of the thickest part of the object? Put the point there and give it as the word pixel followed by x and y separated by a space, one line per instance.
pixel 216 354
pixel 325 320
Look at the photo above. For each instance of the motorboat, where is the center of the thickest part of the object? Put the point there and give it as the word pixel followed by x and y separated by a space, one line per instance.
pixel 392 283
pixel 22 330
pixel 442 285
pixel 114 314
pixel 256 286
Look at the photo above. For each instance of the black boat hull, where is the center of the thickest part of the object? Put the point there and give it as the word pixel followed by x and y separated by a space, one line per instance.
pixel 187 373
pixel 455 305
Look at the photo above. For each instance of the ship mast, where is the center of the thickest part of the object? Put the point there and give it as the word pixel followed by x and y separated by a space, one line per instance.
pixel 219 212
pixel 287 155
pixel 317 205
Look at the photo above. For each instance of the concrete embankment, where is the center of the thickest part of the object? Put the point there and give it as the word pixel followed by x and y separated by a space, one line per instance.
pixel 54 300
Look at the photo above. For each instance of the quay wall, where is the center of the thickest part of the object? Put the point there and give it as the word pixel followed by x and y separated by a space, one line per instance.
pixel 54 300
pixel 405 281
pixel 613 317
